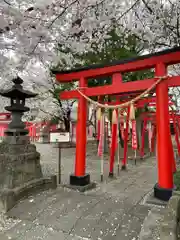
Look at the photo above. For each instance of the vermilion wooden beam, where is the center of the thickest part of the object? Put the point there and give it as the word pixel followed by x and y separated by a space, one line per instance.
pixel 168 58
pixel 110 89
pixel 134 86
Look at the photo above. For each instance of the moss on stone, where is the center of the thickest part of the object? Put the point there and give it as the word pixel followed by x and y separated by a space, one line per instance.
pixel 177 180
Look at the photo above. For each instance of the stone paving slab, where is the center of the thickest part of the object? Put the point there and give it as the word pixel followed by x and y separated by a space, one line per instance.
pixel 150 228
pixel 110 211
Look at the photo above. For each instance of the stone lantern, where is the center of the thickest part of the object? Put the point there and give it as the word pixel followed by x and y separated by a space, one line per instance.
pixel 16 128
pixel 20 168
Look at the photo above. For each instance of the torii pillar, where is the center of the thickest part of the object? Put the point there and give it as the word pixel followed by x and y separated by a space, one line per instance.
pixel 163 189
pixel 80 178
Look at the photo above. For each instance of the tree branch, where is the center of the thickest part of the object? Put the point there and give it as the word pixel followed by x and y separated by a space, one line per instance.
pixel 177 28
pixel 59 15
pixel 7 2
pixel 128 10
pixel 147 6
pixel 52 115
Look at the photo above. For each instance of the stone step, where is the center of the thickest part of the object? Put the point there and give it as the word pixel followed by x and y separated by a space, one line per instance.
pixel 162 222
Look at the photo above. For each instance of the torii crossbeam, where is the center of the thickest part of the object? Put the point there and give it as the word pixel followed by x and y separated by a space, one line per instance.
pixel 158 61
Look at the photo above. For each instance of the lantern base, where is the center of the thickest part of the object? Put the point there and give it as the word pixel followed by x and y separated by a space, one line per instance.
pixel 162 193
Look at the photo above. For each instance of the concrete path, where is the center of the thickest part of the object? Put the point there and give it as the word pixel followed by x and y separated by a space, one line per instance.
pixel 151 226
pixel 111 211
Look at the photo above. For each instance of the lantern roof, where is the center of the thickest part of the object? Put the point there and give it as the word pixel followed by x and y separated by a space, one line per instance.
pixel 17 91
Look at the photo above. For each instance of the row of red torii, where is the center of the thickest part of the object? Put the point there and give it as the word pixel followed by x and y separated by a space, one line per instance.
pixel 34 128
pixel 161 82
pixel 148 128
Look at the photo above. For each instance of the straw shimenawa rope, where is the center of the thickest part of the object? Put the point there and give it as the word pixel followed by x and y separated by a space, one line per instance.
pixel 126 104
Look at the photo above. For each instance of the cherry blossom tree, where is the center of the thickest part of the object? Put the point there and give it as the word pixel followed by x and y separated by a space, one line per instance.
pixel 36 33
pixel 31 30
pixel 156 22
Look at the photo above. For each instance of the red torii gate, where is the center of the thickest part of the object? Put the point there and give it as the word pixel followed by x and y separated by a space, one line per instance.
pixel 160 61
pixel 5 118
pixel 151 101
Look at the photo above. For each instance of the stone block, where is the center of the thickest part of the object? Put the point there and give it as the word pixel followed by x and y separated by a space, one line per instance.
pixel 4 237
pixel 18 165
pixel 169 225
pixel 20 173
pixel 9 197
pixel 85 188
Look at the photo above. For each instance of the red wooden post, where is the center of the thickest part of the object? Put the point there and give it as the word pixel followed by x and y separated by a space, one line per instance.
pixel 98 117
pixel 30 132
pixel 143 138
pixel 170 142
pixel 153 138
pixel 173 158
pixel 150 136
pixel 124 162
pixel 178 125
pixel 176 132
pixel 134 136
pixel 34 133
pixel 98 129
pixel 80 178
pixel 113 143
pixel 163 189
pixel 122 130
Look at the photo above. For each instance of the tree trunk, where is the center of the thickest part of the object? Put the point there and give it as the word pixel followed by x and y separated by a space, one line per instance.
pixel 67 124
pixel 67 121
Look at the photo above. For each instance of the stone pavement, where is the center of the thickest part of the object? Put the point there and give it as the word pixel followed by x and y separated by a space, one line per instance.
pixel 151 226
pixel 111 211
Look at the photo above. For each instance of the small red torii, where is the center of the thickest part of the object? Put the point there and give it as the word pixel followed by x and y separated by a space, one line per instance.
pixel 159 61
pixel 5 118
